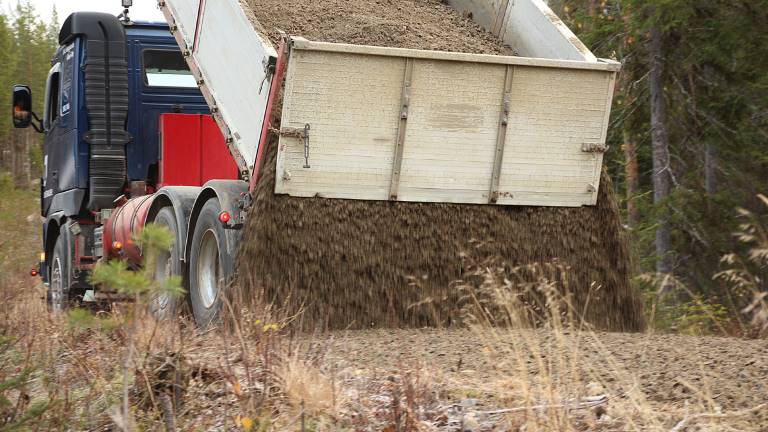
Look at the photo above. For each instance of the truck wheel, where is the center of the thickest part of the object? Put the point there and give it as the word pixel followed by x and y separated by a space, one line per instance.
pixel 60 277
pixel 163 305
pixel 211 266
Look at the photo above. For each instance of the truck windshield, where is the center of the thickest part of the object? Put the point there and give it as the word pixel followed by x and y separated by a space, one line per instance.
pixel 165 68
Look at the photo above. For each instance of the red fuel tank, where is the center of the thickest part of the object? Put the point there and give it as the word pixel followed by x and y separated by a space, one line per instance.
pixel 126 222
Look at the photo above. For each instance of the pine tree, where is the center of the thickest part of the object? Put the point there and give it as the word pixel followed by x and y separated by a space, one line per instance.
pixel 709 77
pixel 26 48
pixel 7 72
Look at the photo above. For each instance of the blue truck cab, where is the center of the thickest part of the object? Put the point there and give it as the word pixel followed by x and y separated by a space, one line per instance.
pixel 109 83
pixel 128 74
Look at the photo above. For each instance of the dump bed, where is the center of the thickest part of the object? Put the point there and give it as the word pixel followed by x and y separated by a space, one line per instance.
pixel 377 123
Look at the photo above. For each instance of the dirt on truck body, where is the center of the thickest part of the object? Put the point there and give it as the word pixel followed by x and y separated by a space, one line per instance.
pixel 359 264
pixel 415 24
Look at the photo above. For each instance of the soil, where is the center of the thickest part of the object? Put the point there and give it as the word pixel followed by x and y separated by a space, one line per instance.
pixel 665 365
pixel 368 264
pixel 672 375
pixel 646 381
pixel 417 24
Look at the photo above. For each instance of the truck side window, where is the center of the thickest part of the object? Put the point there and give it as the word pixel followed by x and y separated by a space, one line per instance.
pixel 166 68
pixel 53 108
pixel 52 97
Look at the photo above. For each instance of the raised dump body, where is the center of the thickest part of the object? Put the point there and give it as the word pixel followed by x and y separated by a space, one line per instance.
pixel 378 123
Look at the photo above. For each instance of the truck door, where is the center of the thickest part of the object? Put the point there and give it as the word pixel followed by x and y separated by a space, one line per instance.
pixel 60 144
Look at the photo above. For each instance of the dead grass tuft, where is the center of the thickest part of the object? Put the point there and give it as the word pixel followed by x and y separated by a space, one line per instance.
pixel 306 388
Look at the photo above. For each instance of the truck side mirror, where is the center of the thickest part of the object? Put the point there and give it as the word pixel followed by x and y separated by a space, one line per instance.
pixel 22 106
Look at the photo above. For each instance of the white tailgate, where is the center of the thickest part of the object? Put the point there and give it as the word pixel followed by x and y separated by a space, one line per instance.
pixel 230 57
pixel 452 138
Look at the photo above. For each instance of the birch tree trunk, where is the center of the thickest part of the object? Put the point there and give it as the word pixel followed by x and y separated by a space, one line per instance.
pixel 660 151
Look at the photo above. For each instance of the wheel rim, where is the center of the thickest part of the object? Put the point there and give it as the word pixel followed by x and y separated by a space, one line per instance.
pixel 162 272
pixel 57 290
pixel 209 275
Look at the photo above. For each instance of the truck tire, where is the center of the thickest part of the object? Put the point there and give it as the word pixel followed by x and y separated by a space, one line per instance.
pixel 164 305
pixel 60 277
pixel 210 265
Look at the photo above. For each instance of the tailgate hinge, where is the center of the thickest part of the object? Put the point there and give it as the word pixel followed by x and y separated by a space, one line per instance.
pixel 501 137
pixel 405 103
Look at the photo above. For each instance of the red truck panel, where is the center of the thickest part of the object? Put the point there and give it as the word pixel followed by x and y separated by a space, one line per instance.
pixel 218 163
pixel 193 151
pixel 179 150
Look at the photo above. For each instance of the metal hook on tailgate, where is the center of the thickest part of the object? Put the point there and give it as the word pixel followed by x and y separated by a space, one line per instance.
pixel 593 147
pixel 301 133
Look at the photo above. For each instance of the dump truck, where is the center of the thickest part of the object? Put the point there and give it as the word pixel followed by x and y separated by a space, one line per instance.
pixel 168 123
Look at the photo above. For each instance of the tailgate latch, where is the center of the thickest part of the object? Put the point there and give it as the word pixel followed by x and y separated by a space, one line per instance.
pixel 300 133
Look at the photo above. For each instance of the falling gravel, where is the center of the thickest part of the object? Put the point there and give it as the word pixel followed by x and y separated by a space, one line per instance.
pixel 359 264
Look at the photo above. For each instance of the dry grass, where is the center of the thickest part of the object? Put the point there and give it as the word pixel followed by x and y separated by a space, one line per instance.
pixel 553 373
pixel 306 388
pixel 746 273
pixel 255 374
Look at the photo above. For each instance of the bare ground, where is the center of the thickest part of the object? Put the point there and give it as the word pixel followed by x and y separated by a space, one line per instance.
pixel 649 381
pixel 486 379
pixel 669 369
